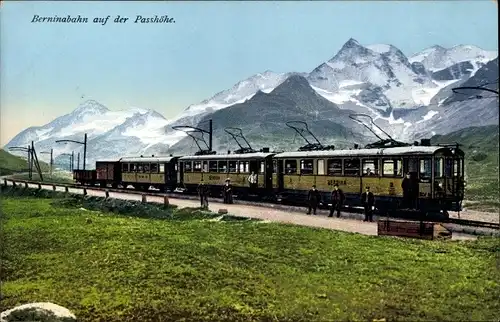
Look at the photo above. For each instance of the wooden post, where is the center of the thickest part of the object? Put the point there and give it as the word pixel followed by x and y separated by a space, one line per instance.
pixel 84 191
pixel 26 185
pixel 107 194
pixel 54 187
pixel 13 183
pixel 165 201
pixel 39 186
pixel 5 182
pixel 66 189
pixel 144 200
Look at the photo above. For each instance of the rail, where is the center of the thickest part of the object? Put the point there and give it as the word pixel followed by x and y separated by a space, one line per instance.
pixel 107 190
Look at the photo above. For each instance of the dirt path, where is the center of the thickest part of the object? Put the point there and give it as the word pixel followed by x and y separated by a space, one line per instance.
pixel 275 215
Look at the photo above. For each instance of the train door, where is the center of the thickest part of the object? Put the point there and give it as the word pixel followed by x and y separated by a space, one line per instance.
pixel 171 174
pixel 266 167
pixel 180 173
pixel 281 171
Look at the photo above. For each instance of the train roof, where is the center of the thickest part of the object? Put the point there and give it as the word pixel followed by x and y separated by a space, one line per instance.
pixel 107 160
pixel 407 150
pixel 148 159
pixel 241 156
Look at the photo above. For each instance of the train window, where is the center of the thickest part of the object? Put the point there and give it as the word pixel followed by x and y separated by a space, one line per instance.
pixel 321 167
pixel 448 167
pixel 232 167
pixel 145 168
pixel 425 168
pixel 391 168
pixel 125 167
pixel 262 168
pixel 154 167
pixel 162 168
pixel 244 167
pixel 197 166
pixel 212 166
pixel 140 168
pixel 306 166
pixel 223 166
pixel 334 167
pixel 291 167
pixel 456 168
pixel 351 167
pixel 275 166
pixel 370 167
pixel 205 166
pixel 438 167
pixel 133 167
pixel 188 166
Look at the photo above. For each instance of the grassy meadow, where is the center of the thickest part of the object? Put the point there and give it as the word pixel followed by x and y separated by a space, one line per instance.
pixel 10 164
pixel 481 165
pixel 123 261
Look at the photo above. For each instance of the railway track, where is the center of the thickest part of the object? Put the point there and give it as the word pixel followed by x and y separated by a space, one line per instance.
pixel 15 182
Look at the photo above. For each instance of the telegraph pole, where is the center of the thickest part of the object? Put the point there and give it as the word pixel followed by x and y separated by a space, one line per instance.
pixel 78 142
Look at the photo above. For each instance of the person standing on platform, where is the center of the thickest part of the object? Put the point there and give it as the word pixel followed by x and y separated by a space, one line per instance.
pixel 313 198
pixel 227 191
pixel 368 201
pixel 203 192
pixel 338 198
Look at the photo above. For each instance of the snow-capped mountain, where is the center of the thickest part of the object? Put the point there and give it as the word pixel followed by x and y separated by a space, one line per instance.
pixel 437 58
pixel 239 93
pixel 107 131
pixel 408 97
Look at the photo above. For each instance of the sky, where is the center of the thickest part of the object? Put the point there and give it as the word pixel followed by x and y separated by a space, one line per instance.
pixel 48 69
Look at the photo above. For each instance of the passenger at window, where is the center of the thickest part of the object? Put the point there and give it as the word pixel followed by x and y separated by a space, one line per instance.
pixel 369 172
pixel 227 192
pixel 368 201
pixel 252 179
pixel 338 198
pixel 313 198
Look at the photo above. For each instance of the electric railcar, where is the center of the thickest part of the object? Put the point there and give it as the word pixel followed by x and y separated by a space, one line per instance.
pixel 287 176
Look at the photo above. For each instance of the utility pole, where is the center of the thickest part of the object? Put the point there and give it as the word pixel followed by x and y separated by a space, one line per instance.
pixel 51 159
pixel 78 142
pixel 78 162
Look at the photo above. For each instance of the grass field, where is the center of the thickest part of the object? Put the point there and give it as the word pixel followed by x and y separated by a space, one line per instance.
pixel 10 164
pixel 109 267
pixel 481 161
pixel 56 177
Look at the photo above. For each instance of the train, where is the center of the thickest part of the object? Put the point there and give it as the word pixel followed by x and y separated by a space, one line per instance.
pixel 286 177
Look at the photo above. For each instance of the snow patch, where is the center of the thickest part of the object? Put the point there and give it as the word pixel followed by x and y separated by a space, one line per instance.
pixel 428 116
pixel 379 48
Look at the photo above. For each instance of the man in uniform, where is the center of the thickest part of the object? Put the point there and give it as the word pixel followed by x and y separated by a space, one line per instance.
pixel 203 192
pixel 313 198
pixel 252 179
pixel 337 200
pixel 368 201
pixel 407 192
pixel 227 191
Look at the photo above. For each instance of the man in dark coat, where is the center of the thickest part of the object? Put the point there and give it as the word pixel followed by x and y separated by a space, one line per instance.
pixel 313 198
pixel 227 191
pixel 338 199
pixel 414 195
pixel 203 192
pixel 368 201
pixel 407 192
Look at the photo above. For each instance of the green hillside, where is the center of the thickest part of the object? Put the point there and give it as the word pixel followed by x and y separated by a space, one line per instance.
pixel 10 164
pixel 481 164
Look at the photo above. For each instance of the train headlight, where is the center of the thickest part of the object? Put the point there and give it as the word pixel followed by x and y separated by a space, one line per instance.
pixel 440 185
